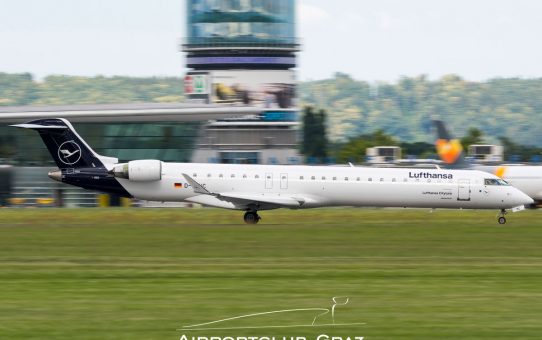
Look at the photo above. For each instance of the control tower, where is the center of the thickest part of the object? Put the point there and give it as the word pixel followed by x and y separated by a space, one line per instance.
pixel 242 53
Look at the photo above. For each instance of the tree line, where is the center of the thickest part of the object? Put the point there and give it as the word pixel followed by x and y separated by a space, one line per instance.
pixel 506 111
pixel 23 89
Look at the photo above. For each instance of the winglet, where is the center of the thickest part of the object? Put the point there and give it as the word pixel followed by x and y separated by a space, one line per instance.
pixel 198 188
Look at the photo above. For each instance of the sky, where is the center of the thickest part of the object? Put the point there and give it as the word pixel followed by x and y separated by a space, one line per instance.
pixel 373 40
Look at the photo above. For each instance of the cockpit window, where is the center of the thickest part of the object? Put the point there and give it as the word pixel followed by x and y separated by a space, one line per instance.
pixel 495 181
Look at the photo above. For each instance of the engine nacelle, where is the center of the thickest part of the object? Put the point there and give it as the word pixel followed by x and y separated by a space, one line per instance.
pixel 146 170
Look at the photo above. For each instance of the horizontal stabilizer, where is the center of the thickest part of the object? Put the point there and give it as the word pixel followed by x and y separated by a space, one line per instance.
pixel 38 126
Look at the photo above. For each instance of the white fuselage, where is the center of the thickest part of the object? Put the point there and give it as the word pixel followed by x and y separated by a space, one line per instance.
pixel 318 186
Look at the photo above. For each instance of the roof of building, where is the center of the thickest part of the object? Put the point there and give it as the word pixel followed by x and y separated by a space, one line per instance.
pixel 138 112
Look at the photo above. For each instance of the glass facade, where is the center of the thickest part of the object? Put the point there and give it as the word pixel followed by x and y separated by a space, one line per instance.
pixel 166 141
pixel 241 22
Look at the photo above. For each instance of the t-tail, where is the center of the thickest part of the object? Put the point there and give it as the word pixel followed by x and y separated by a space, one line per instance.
pixel 449 149
pixel 78 164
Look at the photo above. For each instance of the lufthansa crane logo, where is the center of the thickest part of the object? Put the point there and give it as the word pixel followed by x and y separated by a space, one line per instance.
pixel 69 152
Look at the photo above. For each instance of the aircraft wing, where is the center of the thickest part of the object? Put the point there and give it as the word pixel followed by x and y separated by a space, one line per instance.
pixel 235 200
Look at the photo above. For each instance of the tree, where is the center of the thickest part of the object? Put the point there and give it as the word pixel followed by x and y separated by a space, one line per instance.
pixel 315 143
pixel 474 136
pixel 355 149
pixel 515 152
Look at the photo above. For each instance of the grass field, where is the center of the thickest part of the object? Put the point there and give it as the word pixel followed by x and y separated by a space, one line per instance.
pixel 144 274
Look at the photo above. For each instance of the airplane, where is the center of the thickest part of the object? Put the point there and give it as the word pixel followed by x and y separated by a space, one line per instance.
pixel 252 188
pixel 527 178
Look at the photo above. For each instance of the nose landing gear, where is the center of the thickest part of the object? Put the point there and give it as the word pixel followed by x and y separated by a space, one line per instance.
pixel 251 217
pixel 502 219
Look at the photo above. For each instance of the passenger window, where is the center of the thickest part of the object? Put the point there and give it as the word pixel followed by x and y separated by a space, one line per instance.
pixel 208 175
pixel 358 179
pixel 257 176
pixel 346 178
pixel 221 175
pixel 232 176
pixel 301 177
pixel 313 177
pixel 381 179
pixel 405 179
pixel 323 178
pixel 194 175
pixel 334 178
pixel 370 179
pixel 393 179
pixel 244 176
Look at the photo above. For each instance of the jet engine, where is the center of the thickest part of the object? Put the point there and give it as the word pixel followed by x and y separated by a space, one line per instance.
pixel 139 171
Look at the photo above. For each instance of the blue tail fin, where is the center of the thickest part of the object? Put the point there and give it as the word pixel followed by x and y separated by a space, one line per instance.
pixel 67 148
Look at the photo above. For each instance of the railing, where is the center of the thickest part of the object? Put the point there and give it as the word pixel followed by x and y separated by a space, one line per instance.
pixel 249 42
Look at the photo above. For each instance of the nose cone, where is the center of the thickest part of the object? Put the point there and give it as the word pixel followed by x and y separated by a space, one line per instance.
pixel 521 198
pixel 56 175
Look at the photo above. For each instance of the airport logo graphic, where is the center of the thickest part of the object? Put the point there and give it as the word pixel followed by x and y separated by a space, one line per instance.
pixel 69 152
pixel 317 318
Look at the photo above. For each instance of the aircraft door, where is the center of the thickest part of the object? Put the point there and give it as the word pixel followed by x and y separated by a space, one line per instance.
pixel 463 190
pixel 284 181
pixel 269 180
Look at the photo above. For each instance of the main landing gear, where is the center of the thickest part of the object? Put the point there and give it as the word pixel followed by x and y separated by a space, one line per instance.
pixel 502 219
pixel 251 217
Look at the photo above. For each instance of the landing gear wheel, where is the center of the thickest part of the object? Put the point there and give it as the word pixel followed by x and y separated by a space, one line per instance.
pixel 251 217
pixel 502 219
